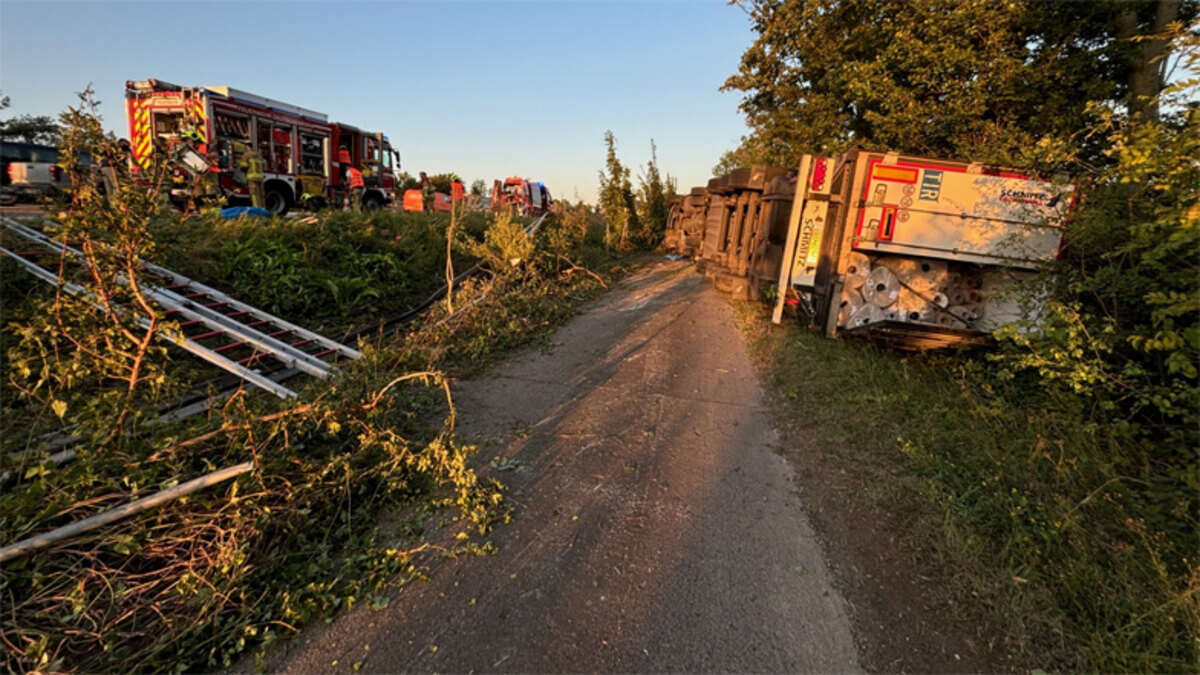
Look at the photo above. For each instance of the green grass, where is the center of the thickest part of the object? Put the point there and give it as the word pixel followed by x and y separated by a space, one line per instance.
pixel 1065 537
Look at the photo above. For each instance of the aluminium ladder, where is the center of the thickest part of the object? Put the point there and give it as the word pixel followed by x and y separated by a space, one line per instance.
pixel 222 330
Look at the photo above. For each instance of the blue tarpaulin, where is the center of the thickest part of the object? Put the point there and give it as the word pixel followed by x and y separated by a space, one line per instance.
pixel 249 211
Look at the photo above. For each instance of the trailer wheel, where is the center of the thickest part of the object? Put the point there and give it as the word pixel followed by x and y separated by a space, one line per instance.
pixel 278 201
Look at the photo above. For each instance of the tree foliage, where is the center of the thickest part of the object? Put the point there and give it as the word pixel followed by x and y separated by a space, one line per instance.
pixel 39 129
pixel 977 78
pixel 617 200
pixel 750 150
pixel 441 181
pixel 1125 327
pixel 633 218
pixel 28 128
pixel 506 248
pixel 652 190
pixel 406 181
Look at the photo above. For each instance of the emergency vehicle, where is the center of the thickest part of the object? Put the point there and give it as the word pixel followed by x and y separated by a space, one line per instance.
pixel 529 197
pixel 300 147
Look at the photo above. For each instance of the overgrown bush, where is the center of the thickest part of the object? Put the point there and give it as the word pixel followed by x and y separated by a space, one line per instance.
pixel 1120 347
pixel 506 248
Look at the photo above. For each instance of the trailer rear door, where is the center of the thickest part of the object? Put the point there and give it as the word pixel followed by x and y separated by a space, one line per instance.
pixel 944 211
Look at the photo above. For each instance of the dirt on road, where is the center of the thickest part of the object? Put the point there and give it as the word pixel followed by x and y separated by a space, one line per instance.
pixel 657 526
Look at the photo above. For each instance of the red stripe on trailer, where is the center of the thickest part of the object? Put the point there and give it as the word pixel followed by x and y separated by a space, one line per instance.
pixel 862 214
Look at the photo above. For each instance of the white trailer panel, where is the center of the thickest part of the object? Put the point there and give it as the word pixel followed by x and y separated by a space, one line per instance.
pixel 954 213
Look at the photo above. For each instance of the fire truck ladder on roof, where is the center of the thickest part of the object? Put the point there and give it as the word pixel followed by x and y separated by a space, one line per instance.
pixel 247 335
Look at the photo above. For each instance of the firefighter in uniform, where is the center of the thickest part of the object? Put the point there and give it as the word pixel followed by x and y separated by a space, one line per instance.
pixel 427 192
pixel 212 178
pixel 206 186
pixel 108 173
pixel 238 158
pixel 255 177
pixel 354 180
pixel 341 193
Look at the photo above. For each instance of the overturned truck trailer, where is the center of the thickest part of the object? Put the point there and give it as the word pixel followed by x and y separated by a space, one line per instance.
pixel 913 252
pixel 735 227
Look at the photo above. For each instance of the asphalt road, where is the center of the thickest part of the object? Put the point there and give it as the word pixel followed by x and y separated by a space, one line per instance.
pixel 656 528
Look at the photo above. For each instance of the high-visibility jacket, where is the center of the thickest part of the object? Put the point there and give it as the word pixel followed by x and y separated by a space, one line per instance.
pixel 354 178
pixel 254 170
pixel 241 155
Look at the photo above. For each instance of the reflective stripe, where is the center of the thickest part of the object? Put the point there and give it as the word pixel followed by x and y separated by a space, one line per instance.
pixel 201 125
pixel 142 128
pixel 255 167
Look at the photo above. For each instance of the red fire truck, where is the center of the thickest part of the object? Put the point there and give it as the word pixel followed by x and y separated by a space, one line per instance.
pixel 300 147
pixel 529 197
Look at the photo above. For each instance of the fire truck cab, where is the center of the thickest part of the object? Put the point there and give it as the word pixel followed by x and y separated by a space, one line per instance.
pixel 299 147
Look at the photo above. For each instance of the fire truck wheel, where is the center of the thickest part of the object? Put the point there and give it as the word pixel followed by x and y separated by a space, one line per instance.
pixel 372 203
pixel 277 201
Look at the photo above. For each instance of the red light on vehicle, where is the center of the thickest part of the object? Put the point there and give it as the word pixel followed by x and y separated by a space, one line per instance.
pixel 818 174
pixel 55 172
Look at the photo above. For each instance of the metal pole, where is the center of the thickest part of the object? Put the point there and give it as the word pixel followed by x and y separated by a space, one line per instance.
pixel 67 531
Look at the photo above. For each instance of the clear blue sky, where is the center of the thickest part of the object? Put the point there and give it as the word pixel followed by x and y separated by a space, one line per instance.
pixel 486 90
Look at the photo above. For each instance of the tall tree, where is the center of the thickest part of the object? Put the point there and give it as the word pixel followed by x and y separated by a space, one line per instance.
pixel 1142 28
pixel 654 200
pixel 970 78
pixel 617 200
